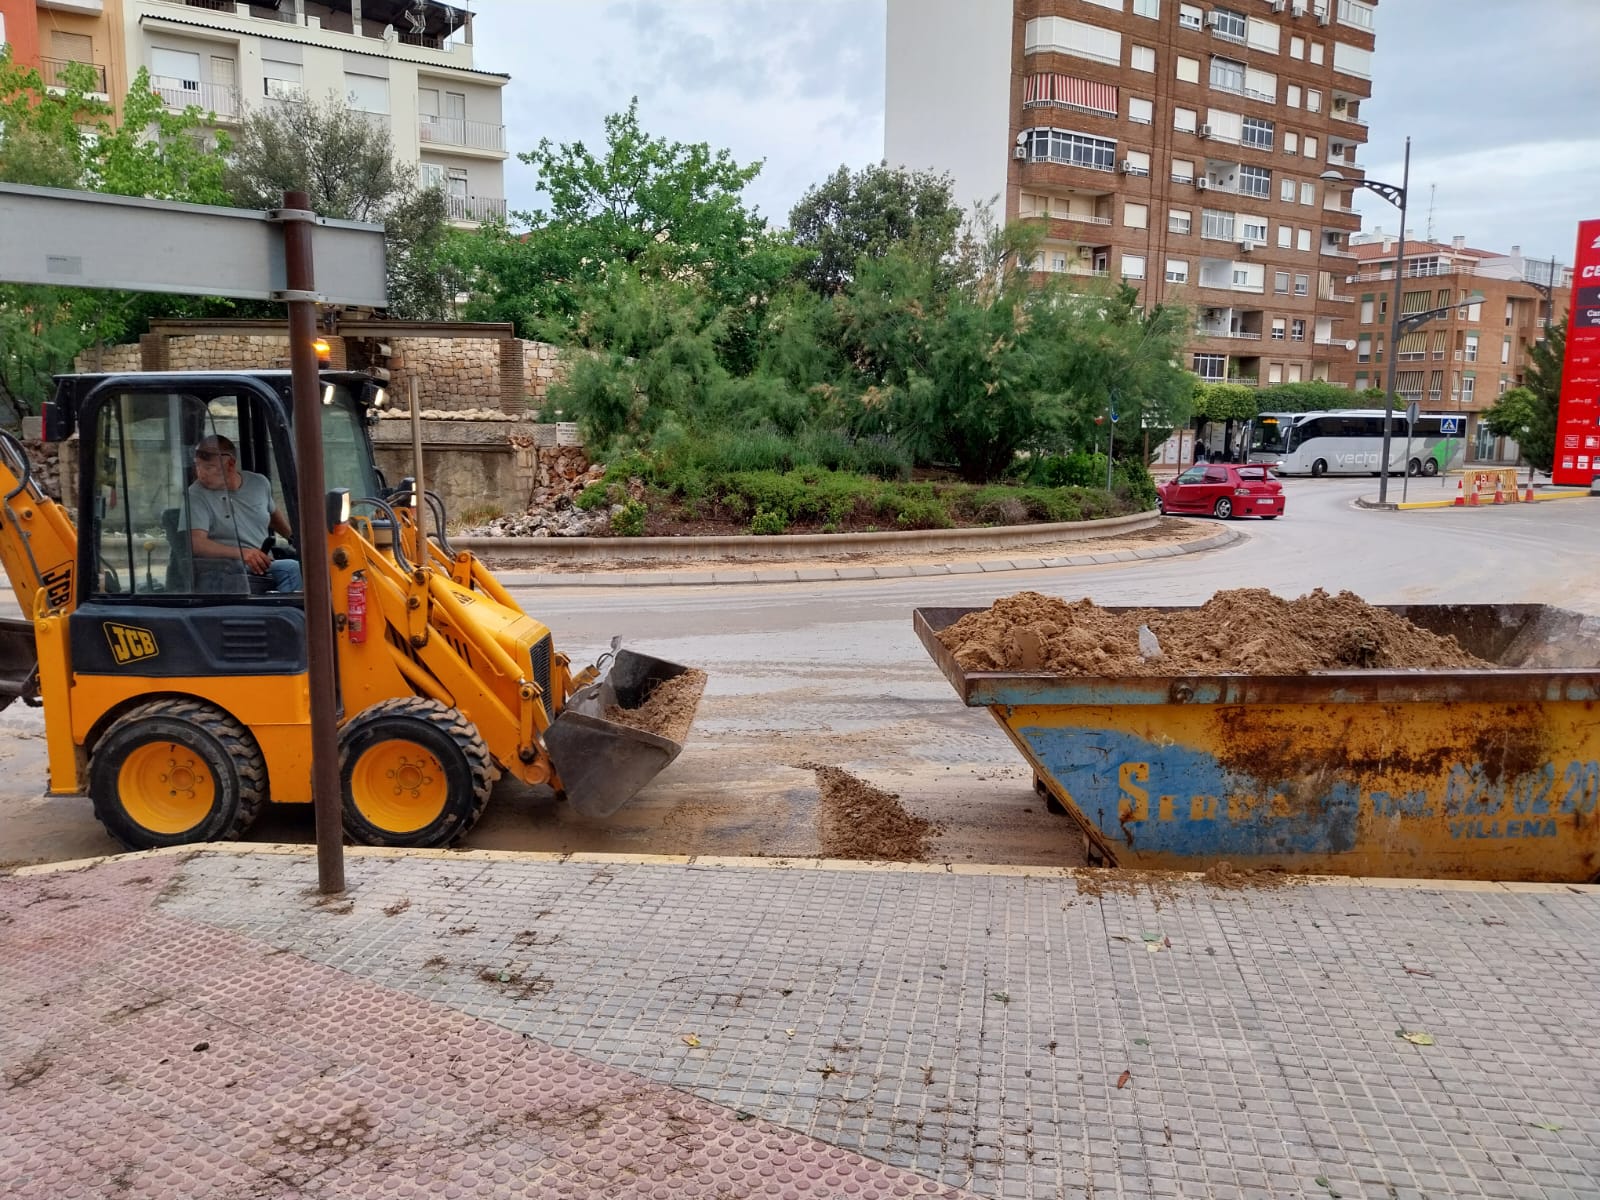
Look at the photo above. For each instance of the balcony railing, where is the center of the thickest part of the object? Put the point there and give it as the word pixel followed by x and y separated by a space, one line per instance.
pixel 54 72
pixel 475 208
pixel 1239 335
pixel 283 13
pixel 179 94
pixel 454 131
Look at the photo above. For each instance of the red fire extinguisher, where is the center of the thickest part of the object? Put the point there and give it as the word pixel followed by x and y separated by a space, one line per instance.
pixel 356 609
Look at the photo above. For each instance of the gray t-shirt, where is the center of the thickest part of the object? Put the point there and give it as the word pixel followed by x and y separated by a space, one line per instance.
pixel 237 518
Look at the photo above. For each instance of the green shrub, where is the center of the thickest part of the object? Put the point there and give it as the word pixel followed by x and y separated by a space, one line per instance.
pixel 629 522
pixel 1131 481
pixel 736 505
pixel 592 497
pixel 1072 470
pixel 768 523
pixel 921 512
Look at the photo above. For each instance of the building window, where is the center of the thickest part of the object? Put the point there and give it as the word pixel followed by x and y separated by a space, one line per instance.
pixel 1274 372
pixel 1227 75
pixel 1217 225
pixel 1302 242
pixel 1297 47
pixel 1291 95
pixel 1302 285
pixel 1366 310
pixel 1316 54
pixel 1261 85
pixel 1291 142
pixel 1188 70
pixel 1258 133
pixel 1074 149
pixel 1137 162
pixel 1285 238
pixel 1297 330
pixel 283 80
pixel 1354 12
pixel 1190 17
pixel 1177 270
pixel 1210 366
pixel 1286 192
pixel 1142 58
pixel 1308 193
pixel 1133 266
pixel 1351 60
pixel 1228 24
pixel 1263 35
pixel 1058 262
pixel 1280 283
pixel 1472 347
pixel 1364 349
pixel 1255 181
pixel 1182 171
pixel 1277 329
pixel 1179 220
pixel 1313 100
pixel 1505 351
pixel 1309 147
pixel 1073 37
pixel 1147 8
pixel 366 93
pixel 1255 230
pixel 1183 120
pixel 1135 216
pixel 1241 277
pixel 1469 385
pixel 1140 110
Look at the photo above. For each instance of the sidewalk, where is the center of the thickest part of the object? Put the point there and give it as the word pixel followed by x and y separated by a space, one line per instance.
pixel 501 1025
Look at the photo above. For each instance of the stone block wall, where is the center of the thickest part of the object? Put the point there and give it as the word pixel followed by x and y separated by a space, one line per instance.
pixel 452 374
pixel 543 365
pixel 253 352
pixel 108 360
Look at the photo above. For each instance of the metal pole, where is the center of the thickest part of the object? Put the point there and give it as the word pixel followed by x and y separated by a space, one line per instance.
pixel 420 508
pixel 1111 442
pixel 1405 485
pixel 311 489
pixel 1394 337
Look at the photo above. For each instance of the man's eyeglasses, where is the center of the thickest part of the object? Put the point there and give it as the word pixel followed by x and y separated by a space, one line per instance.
pixel 207 455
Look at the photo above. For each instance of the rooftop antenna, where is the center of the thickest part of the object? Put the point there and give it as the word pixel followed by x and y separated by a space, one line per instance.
pixel 1433 189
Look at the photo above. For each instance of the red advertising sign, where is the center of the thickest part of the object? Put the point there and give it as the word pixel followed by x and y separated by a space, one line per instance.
pixel 1578 418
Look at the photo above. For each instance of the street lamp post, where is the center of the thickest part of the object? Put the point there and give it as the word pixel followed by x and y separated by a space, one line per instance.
pixel 1396 196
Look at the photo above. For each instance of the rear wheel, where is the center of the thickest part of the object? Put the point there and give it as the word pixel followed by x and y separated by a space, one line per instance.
pixel 176 771
pixel 413 773
pixel 1224 508
pixel 1430 467
pixel 1319 468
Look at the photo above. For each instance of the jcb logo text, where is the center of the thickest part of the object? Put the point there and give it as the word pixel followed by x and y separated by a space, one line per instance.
pixel 129 643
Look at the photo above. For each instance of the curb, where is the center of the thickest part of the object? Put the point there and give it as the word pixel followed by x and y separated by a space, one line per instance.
pixel 796 545
pixel 1538 499
pixel 531 579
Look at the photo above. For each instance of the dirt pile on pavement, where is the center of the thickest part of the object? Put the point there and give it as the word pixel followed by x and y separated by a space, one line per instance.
pixel 858 821
pixel 669 709
pixel 1243 631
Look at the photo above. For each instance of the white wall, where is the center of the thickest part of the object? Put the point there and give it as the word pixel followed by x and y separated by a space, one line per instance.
pixel 947 92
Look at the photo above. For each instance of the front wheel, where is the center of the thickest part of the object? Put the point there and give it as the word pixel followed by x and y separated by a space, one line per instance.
pixel 1319 468
pixel 414 773
pixel 1224 508
pixel 1430 468
pixel 174 772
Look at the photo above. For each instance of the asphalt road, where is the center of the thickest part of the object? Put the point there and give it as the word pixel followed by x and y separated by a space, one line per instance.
pixel 832 674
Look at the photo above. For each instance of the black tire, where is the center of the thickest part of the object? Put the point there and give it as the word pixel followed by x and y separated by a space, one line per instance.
pixel 1414 468
pixel 468 773
pixel 1161 506
pixel 1273 517
pixel 1319 468
pixel 195 735
pixel 1430 467
pixel 1223 509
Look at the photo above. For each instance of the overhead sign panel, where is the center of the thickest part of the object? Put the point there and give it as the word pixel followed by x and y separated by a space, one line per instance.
pixel 1577 459
pixel 86 239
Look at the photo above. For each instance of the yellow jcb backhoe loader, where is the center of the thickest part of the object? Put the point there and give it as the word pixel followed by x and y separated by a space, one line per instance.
pixel 174 684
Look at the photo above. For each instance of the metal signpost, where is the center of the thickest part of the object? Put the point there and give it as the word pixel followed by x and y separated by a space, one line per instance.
pixel 1111 445
pixel 1449 426
pixel 1413 410
pixel 85 239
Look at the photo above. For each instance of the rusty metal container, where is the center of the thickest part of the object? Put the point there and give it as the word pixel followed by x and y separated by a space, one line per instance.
pixel 1486 774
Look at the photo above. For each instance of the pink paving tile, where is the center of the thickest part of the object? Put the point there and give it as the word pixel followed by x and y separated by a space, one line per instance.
pixel 162 1057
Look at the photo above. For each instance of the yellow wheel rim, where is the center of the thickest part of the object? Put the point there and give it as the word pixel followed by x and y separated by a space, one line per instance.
pixel 166 788
pixel 399 786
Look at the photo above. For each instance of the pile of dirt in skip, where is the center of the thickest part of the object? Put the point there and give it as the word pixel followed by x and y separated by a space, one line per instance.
pixel 858 821
pixel 669 709
pixel 1245 631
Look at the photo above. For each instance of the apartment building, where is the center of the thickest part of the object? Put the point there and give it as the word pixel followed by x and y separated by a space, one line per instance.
pixel 406 64
pixel 1466 358
pixel 1177 146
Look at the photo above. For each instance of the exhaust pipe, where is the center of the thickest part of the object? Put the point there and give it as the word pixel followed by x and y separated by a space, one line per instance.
pixel 601 764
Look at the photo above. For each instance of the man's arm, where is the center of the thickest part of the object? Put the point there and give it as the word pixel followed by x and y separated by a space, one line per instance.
pixel 279 523
pixel 202 545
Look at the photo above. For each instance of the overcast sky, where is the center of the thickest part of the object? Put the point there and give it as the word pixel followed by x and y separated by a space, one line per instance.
pixel 1500 98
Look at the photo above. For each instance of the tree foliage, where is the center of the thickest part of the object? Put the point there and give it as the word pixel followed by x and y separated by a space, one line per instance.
pixel 856 215
pixel 346 163
pixel 63 136
pixel 1529 413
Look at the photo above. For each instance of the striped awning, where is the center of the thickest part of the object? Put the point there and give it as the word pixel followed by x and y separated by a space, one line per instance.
pixel 1413 343
pixel 1055 88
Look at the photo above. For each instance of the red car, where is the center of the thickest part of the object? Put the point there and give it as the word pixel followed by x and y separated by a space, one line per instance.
pixel 1224 490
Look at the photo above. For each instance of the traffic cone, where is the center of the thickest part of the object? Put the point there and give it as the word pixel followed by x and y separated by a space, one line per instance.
pixel 1477 486
pixel 1461 498
pixel 1528 499
pixel 1499 490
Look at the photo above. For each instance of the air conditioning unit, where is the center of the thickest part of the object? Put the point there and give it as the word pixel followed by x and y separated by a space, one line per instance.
pixel 1202 185
pixel 1246 247
pixel 1125 167
pixel 1299 10
pixel 1213 19
pixel 1020 153
pixel 1279 5
pixel 1324 17
pixel 1204 131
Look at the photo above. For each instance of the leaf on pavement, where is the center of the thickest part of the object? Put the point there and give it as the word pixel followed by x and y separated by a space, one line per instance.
pixel 1122 1080
pixel 1415 1037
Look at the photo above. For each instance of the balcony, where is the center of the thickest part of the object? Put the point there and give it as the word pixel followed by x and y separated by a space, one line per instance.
pixel 475 208
pixel 54 73
pixel 445 28
pixel 454 131
pixel 219 100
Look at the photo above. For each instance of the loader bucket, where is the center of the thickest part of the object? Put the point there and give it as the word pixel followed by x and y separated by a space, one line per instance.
pixel 603 763
pixel 19 658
